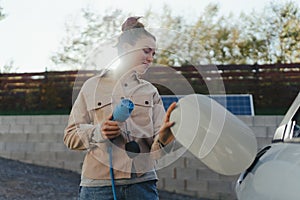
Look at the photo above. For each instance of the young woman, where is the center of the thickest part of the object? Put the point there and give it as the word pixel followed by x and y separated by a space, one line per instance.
pixel 91 127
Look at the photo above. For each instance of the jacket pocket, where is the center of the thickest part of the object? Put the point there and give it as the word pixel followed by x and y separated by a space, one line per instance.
pixel 100 109
pixel 142 112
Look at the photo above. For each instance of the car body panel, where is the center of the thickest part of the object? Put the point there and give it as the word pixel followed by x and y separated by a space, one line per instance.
pixel 275 173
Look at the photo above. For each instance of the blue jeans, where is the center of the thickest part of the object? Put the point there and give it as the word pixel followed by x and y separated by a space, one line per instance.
pixel 144 190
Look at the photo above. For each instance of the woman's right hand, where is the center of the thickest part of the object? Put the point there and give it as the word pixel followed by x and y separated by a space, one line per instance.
pixel 110 129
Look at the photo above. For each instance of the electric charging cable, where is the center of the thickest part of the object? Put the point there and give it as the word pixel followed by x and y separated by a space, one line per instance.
pixel 120 114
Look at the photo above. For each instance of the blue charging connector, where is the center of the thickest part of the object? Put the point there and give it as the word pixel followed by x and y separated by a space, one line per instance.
pixel 123 110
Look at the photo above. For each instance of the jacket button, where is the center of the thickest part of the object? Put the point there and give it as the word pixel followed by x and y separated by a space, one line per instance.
pixel 146 102
pixel 99 103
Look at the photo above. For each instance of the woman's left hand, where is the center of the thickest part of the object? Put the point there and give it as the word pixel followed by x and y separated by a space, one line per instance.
pixel 165 134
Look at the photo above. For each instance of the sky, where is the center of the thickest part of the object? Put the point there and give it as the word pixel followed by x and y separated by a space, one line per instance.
pixel 33 29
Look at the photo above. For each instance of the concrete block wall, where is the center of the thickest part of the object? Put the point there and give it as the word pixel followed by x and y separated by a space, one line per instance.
pixel 39 140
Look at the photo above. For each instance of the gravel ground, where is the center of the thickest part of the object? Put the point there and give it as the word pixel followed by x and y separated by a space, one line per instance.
pixel 30 182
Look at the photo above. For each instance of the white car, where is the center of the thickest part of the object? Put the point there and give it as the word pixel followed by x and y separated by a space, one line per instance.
pixel 275 172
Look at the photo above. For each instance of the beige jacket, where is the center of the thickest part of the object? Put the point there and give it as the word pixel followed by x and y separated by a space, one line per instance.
pixel 95 102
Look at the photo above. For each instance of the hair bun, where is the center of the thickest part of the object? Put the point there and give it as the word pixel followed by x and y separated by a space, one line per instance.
pixel 131 23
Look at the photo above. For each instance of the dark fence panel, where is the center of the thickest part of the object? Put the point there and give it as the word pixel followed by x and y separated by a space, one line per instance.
pixel 273 86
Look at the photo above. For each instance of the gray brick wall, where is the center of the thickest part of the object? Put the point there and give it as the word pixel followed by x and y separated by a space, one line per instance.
pixel 38 140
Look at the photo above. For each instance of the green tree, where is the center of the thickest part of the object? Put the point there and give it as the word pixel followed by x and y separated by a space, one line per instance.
pixel 202 37
pixel 8 67
pixel 253 43
pixel 281 30
pixel 82 39
pixel 171 37
pixel 2 15
pixel 266 37
pixel 217 39
pixel 289 35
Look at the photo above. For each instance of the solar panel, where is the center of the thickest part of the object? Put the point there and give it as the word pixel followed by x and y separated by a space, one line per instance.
pixel 238 104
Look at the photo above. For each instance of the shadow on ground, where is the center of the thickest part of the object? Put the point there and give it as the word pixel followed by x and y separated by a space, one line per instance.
pixel 30 182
